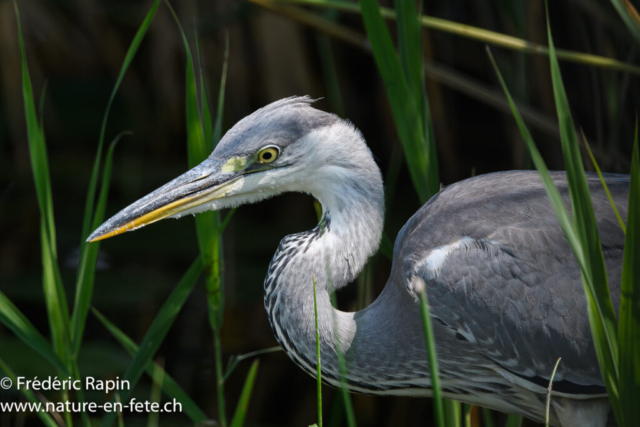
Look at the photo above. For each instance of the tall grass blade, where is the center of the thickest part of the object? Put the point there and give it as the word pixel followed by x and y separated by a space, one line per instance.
pixel 89 257
pixel 452 413
pixel 92 219
pixel 169 386
pixel 410 49
pixel 235 360
pixel 365 285
pixel 553 374
pixel 55 297
pixel 629 327
pixel 604 183
pixel 583 234
pixel 342 365
pixel 93 182
pixel 195 127
pixel 41 104
pixel 45 417
pixel 552 191
pixel 629 15
pixel 487 417
pixel 157 331
pixel 594 276
pixel 245 397
pixel 13 319
pixel 386 247
pixel 120 416
pixel 207 223
pixel 54 294
pixel 432 357
pixel 406 113
pixel 572 236
pixel 346 399
pixel 207 123
pixel 433 171
pixel 226 220
pixel 318 358
pixel 467 410
pixel 37 147
pixel 156 392
pixel 514 420
pixel 58 319
pixel 216 290
pixel 217 129
pixel 410 46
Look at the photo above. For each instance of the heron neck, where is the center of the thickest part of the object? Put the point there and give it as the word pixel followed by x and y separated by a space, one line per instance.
pixel 350 228
pixel 332 254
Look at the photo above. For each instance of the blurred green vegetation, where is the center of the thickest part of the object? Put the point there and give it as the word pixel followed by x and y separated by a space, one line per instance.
pixel 78 49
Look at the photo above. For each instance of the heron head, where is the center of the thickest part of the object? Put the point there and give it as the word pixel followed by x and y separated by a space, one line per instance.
pixel 286 146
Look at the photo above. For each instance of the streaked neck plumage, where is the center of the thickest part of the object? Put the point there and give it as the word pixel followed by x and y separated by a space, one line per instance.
pixel 349 187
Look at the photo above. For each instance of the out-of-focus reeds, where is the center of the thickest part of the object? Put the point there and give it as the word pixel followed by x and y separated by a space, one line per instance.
pixel 486 36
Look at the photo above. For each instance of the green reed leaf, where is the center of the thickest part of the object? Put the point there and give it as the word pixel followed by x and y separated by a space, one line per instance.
pixel 629 15
pixel 604 183
pixel 245 397
pixel 93 182
pixel 601 313
pixel 564 220
pixel 629 326
pixel 89 257
pixel 217 130
pixel 514 420
pixel 207 223
pixel 37 146
pixel 553 374
pixel 318 356
pixel 13 319
pixel 92 219
pixel 452 413
pixel 55 297
pixel 406 112
pixel 583 234
pixel 432 356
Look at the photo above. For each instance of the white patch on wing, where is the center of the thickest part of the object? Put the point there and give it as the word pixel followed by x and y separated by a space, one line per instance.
pixel 438 256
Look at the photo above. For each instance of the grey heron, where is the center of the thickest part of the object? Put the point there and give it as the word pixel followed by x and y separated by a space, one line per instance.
pixel 505 292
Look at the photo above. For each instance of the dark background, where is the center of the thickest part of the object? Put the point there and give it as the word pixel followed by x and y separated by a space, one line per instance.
pixel 77 48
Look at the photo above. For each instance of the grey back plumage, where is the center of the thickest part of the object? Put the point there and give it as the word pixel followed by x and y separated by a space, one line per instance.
pixel 513 283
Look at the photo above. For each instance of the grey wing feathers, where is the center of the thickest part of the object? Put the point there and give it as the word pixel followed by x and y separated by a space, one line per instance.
pixel 500 273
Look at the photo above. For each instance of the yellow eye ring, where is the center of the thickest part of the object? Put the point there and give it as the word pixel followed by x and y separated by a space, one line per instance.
pixel 268 154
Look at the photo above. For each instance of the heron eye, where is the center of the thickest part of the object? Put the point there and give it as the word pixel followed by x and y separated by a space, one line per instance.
pixel 268 154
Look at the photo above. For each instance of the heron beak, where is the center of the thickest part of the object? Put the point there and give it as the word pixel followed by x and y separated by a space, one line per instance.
pixel 212 179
